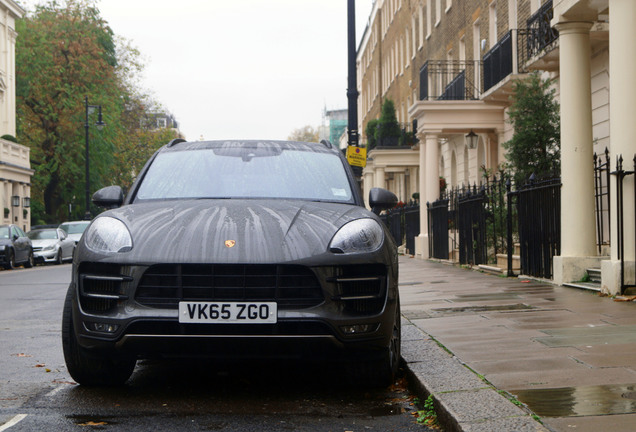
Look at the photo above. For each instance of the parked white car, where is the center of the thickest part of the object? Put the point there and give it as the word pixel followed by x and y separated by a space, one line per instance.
pixel 74 229
pixel 51 245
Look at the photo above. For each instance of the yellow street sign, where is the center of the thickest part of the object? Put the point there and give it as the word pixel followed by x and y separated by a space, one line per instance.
pixel 357 156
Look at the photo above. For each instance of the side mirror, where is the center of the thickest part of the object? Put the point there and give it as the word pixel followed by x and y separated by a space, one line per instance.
pixel 109 197
pixel 381 199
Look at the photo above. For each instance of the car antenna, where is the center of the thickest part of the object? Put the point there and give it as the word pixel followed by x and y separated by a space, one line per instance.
pixel 175 142
pixel 326 143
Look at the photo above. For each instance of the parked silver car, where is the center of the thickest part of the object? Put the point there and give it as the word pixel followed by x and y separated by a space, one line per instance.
pixel 74 229
pixel 51 245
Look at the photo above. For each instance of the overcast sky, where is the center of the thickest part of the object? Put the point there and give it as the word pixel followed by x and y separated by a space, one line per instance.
pixel 244 69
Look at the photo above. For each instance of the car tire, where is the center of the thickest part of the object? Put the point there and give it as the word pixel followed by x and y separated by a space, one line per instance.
pixel 10 264
pixel 58 258
pixel 29 262
pixel 381 372
pixel 84 367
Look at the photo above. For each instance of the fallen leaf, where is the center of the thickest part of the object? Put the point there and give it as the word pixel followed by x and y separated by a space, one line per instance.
pixel 21 355
pixel 525 281
pixel 92 423
pixel 40 365
pixel 47 370
pixel 625 298
pixel 63 382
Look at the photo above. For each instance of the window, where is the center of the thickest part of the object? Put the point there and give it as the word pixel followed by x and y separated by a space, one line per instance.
pixel 414 35
pixel 407 46
pixel 492 24
pixel 422 24
pixel 534 6
pixel 512 14
pixel 429 18
pixel 438 12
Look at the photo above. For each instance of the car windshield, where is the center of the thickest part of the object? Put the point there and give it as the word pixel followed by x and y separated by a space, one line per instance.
pixel 43 235
pixel 74 228
pixel 246 172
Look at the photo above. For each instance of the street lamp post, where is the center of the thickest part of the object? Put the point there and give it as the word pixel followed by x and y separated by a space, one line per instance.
pixel 100 124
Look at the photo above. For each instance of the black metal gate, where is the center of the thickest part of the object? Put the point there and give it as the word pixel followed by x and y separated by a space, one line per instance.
pixel 471 224
pixel 438 229
pixel 411 226
pixel 539 213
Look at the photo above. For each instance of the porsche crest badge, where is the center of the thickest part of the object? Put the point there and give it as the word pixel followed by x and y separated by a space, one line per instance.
pixel 230 243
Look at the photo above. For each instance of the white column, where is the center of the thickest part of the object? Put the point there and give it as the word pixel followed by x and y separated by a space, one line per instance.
pixel 622 63
pixel 432 168
pixel 414 181
pixel 380 179
pixel 429 188
pixel 421 241
pixel 367 185
pixel 578 239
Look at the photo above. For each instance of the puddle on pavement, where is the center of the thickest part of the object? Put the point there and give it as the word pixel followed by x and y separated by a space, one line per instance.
pixel 484 297
pixel 595 335
pixel 477 309
pixel 580 401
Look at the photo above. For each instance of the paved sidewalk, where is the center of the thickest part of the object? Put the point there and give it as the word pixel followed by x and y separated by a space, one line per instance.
pixel 479 343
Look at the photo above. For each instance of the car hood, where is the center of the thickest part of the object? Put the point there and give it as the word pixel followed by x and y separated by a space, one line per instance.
pixel 233 231
pixel 43 242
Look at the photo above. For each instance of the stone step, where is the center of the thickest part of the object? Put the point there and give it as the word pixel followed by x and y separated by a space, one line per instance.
pixel 592 286
pixel 595 275
pixel 502 262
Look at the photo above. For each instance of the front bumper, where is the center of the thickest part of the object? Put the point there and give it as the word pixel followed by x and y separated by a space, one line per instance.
pixel 136 313
pixel 45 256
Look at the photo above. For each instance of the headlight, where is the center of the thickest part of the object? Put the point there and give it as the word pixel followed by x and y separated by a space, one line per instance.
pixel 49 247
pixel 107 234
pixel 360 235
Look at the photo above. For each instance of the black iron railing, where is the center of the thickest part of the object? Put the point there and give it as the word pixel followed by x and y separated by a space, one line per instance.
pixel 620 175
pixel 601 199
pixel 438 229
pixel 404 224
pixel 450 80
pixel 540 32
pixel 538 206
pixel 498 62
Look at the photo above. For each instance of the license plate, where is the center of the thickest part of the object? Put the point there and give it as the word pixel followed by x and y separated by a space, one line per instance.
pixel 228 312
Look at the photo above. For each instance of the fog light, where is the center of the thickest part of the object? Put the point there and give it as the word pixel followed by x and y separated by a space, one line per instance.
pixel 358 328
pixel 102 327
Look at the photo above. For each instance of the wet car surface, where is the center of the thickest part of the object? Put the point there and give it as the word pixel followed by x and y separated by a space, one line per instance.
pixel 236 250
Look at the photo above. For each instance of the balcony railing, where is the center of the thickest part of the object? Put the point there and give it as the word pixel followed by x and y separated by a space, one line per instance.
pixel 450 80
pixel 540 32
pixel 498 62
pixel 468 80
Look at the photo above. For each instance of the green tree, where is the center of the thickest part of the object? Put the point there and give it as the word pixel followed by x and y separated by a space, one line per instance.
pixel 371 132
pixel 67 52
pixel 304 134
pixel 388 130
pixel 534 114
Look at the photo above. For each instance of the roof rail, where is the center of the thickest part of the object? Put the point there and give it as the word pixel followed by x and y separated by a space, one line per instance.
pixel 326 143
pixel 175 142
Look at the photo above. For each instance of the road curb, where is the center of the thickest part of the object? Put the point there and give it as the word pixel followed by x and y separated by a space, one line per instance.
pixel 463 401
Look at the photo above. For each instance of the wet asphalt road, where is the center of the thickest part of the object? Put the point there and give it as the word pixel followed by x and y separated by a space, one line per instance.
pixel 36 392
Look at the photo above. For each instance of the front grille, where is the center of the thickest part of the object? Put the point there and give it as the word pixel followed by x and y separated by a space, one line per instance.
pixel 362 288
pixel 292 287
pixel 37 248
pixel 100 287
